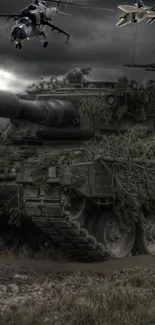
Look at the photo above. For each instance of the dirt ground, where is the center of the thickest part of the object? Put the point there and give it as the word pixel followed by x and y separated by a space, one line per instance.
pixel 44 292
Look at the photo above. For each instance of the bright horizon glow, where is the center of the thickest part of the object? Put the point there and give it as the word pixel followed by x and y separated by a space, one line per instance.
pixel 9 81
pixel 5 79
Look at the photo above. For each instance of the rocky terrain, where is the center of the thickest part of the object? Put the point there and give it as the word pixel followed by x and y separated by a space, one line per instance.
pixel 57 297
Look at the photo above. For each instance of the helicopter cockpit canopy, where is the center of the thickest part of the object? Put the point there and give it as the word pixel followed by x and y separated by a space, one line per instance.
pixel 36 2
pixel 31 7
pixel 25 20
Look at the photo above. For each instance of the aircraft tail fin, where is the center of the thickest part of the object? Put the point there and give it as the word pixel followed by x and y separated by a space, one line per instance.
pixel 63 6
pixel 153 8
pixel 140 3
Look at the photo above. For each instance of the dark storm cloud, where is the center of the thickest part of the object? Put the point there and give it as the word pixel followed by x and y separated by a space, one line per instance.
pixel 95 41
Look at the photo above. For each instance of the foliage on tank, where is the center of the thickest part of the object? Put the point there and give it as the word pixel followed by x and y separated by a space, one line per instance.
pixel 74 76
pixel 96 106
pixel 132 158
pixel 132 166
pixel 8 163
pixel 40 172
pixel 129 98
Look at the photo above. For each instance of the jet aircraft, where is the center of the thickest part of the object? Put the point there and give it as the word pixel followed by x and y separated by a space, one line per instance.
pixel 32 20
pixel 136 13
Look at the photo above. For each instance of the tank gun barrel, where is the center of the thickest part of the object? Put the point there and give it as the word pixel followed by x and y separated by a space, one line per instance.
pixel 53 113
pixel 149 67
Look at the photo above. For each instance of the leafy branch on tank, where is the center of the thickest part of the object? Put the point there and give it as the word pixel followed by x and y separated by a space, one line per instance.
pixel 40 172
pixel 8 157
pixel 62 162
pixel 95 106
pixel 124 84
pixel 142 99
pixel 11 207
pixel 5 134
pixel 75 76
pixel 9 161
pixel 132 165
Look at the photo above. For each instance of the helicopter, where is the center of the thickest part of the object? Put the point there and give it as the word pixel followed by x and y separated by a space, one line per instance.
pixel 33 19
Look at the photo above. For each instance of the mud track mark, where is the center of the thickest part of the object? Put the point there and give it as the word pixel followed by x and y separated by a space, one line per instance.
pixel 48 266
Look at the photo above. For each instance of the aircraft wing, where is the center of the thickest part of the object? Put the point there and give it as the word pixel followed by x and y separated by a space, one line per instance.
pixel 150 21
pixel 127 8
pixel 59 30
pixel 15 17
pixel 151 14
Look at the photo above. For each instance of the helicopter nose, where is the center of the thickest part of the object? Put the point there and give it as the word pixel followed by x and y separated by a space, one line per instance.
pixel 18 32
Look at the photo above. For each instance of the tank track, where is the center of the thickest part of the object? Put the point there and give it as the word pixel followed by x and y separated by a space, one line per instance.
pixel 49 215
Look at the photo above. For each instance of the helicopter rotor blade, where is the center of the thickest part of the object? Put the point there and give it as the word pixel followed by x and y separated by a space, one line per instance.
pixel 80 5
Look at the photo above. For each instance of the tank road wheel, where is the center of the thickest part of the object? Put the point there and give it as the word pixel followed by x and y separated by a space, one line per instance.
pixel 117 242
pixel 146 236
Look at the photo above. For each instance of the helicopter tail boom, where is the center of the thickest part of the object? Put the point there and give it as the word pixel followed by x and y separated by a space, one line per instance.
pixel 64 13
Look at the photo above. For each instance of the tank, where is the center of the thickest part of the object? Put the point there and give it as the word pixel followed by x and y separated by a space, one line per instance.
pixel 53 171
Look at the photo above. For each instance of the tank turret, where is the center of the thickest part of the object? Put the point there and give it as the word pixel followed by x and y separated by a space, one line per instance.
pixel 66 115
pixel 75 78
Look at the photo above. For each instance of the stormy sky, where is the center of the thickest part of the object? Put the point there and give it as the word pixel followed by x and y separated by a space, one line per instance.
pixel 95 41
